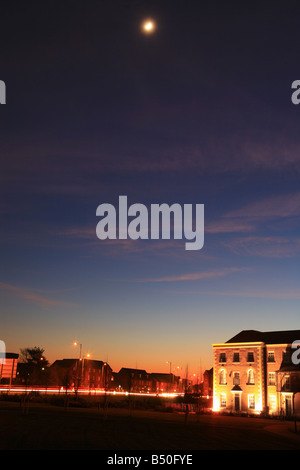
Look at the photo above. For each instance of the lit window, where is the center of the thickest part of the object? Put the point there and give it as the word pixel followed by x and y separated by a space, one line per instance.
pixel 271 378
pixel 272 403
pixel 223 400
pixel 271 356
pixel 250 377
pixel 222 377
pixel 251 402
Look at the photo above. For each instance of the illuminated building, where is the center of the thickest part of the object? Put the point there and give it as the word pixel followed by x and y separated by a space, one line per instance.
pixel 254 372
pixel 163 382
pixel 139 380
pixel 83 373
pixel 8 367
pixel 133 380
pixel 208 382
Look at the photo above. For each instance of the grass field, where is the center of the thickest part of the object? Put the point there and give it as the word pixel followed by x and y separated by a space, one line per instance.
pixel 43 426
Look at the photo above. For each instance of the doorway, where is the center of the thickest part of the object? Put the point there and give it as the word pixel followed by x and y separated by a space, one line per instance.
pixel 237 406
pixel 288 405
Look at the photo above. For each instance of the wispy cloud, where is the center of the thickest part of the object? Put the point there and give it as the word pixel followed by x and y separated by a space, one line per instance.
pixel 31 296
pixel 229 226
pixel 84 160
pixel 269 247
pixel 212 274
pixel 287 205
pixel 119 247
pixel 261 294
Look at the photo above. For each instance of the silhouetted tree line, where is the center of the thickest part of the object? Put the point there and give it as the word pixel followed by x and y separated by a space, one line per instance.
pixel 33 367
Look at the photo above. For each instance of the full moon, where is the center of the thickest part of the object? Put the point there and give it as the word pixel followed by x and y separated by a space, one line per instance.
pixel 148 26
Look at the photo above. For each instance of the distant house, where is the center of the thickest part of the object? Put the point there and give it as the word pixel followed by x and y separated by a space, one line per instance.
pixel 8 367
pixel 165 382
pixel 208 382
pixel 134 380
pixel 254 372
pixel 85 373
pixel 139 380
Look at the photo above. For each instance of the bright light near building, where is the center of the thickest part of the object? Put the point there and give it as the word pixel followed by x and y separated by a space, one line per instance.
pixel 216 404
pixel 258 407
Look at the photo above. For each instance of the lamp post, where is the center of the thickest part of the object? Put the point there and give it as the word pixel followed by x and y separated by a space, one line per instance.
pixel 171 380
pixel 78 361
pixel 80 348
pixel 82 369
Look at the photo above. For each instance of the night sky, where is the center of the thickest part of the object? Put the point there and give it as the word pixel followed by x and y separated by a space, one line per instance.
pixel 199 112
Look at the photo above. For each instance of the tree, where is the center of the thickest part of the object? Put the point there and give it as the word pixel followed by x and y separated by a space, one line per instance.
pixel 35 366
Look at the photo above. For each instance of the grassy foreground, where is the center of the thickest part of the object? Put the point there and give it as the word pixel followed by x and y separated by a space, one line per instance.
pixel 43 426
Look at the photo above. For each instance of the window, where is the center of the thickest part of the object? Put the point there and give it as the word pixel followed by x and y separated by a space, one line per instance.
pixel 251 402
pixel 222 377
pixel 236 378
pixel 287 382
pixel 222 357
pixel 236 357
pixel 285 356
pixel 223 400
pixel 250 357
pixel 250 377
pixel 272 403
pixel 271 378
pixel 271 356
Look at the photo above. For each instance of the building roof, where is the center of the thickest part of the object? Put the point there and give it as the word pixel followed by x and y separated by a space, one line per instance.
pixel 267 337
pixel 66 363
pixel 164 377
pixel 129 370
pixel 136 373
pixel 289 367
pixel 8 355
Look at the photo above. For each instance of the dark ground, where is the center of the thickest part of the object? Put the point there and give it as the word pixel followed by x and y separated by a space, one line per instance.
pixel 49 427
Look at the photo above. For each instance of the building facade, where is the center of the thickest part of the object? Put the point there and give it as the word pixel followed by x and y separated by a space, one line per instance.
pixel 139 380
pixel 84 373
pixel 132 380
pixel 8 367
pixel 254 373
pixel 208 383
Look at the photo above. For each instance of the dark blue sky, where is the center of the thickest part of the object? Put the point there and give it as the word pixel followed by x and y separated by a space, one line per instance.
pixel 198 112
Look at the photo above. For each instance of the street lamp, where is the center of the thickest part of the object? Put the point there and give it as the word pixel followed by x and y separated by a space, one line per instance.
pixel 171 378
pixel 80 348
pixel 78 373
pixel 82 368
